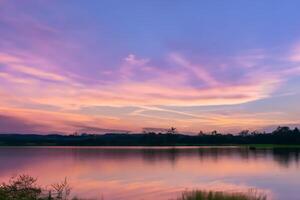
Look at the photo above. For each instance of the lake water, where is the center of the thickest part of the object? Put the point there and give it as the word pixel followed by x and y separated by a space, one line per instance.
pixel 123 173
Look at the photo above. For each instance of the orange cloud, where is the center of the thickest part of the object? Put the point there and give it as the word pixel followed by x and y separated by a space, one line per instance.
pixel 26 83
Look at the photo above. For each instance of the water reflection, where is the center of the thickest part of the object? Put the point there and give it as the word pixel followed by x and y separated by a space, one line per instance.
pixel 283 157
pixel 157 173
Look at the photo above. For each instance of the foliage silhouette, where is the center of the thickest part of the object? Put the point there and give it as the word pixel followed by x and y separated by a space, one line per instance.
pixel 24 187
pixel 219 195
pixel 280 136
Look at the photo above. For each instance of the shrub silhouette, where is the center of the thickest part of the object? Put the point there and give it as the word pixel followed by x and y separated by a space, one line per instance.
pixel 24 187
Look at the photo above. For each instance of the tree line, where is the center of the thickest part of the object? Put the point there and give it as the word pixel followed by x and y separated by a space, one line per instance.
pixel 281 135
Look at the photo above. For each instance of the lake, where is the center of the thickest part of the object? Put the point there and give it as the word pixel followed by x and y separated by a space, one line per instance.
pixel 160 173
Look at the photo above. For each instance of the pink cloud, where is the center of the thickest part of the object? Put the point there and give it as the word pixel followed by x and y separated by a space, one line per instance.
pixel 35 76
pixel 29 83
pixel 133 60
pixel 295 53
pixel 200 72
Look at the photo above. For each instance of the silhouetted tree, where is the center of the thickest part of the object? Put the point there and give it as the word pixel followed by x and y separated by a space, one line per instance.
pixel 296 131
pixel 214 132
pixel 244 133
pixel 256 132
pixel 282 135
pixel 171 131
pixel 201 133
pixel 282 130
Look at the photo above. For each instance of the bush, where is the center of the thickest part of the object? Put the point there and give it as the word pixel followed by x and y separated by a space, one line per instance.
pixel 24 187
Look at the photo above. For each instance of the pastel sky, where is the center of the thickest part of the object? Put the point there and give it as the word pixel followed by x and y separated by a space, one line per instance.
pixel 107 66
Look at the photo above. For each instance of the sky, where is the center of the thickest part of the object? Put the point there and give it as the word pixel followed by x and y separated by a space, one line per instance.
pixel 112 66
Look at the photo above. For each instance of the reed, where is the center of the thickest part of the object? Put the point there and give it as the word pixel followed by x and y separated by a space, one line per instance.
pixel 220 195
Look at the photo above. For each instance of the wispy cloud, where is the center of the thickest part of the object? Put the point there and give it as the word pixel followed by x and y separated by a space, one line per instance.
pixel 133 60
pixel 13 124
pixel 295 53
pixel 51 62
pixel 198 70
pixel 69 94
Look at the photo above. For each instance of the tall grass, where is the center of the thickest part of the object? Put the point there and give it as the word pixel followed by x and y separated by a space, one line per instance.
pixel 219 195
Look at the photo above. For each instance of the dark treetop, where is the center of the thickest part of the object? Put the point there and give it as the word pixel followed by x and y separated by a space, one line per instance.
pixel 282 135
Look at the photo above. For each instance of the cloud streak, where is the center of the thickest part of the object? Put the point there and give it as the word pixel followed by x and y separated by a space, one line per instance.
pixel 52 62
pixel 69 94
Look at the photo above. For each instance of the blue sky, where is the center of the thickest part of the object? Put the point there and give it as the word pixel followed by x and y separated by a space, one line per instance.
pixel 95 66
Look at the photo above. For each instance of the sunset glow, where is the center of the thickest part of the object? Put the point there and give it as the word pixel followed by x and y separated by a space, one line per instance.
pixel 110 66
